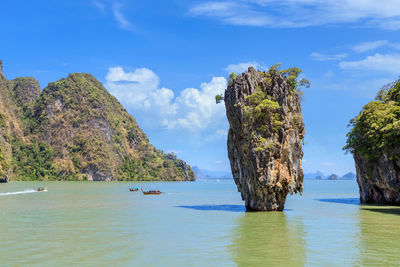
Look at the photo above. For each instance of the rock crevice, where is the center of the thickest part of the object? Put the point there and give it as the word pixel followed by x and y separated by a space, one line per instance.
pixel 378 181
pixel 265 138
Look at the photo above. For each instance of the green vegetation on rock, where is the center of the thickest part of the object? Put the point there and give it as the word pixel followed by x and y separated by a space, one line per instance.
pixel 265 136
pixel 376 129
pixel 231 78
pixel 219 98
pixel 262 109
pixel 291 75
pixel 75 130
pixel 33 161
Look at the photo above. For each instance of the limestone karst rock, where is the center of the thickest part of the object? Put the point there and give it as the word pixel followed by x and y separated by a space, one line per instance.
pixel 75 130
pixel 374 142
pixel 378 181
pixel 16 99
pixel 265 136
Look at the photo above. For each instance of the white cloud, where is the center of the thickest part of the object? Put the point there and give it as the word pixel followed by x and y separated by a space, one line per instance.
pixel 241 67
pixel 368 46
pixel 176 152
pixel 325 57
pixel 231 12
pixel 216 135
pixel 382 63
pixel 362 86
pixel 222 132
pixel 114 8
pixel 389 24
pixel 119 17
pixel 141 75
pixel 100 6
pixel 214 8
pixel 328 74
pixel 139 89
pixel 192 109
pixel 302 13
pixel 197 108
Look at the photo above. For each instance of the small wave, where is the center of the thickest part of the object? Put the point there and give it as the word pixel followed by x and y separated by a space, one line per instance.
pixel 26 191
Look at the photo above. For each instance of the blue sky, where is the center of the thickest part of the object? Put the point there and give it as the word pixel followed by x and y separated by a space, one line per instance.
pixel 166 60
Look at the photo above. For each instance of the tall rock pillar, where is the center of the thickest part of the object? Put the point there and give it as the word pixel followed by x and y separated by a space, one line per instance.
pixel 265 137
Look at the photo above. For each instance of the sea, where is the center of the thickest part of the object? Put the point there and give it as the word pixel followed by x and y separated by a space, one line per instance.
pixel 200 223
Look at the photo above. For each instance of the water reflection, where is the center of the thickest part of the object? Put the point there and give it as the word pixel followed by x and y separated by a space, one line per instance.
pixel 268 239
pixel 232 208
pixel 390 210
pixel 350 201
pixel 380 235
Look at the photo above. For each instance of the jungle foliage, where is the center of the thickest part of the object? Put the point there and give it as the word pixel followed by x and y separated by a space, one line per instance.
pixel 75 130
pixel 376 130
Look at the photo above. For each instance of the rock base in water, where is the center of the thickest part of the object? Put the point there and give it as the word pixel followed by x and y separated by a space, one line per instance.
pixel 265 137
pixel 374 141
pixel 378 181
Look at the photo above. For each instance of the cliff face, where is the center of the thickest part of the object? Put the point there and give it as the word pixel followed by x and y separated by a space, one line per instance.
pixel 75 130
pixel 265 137
pixel 16 99
pixel 378 180
pixel 374 142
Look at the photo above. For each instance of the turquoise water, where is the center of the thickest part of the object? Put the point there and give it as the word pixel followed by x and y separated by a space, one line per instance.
pixel 199 223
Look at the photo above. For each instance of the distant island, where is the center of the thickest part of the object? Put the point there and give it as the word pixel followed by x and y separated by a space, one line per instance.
pixel 75 130
pixel 209 174
pixel 320 176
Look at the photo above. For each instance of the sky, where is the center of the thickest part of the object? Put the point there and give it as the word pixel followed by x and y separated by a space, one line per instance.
pixel 166 60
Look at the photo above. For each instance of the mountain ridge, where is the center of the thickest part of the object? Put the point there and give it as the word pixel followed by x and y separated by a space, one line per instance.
pixel 76 130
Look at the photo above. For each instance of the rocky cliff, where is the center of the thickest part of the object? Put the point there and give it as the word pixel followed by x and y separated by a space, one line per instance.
pixel 265 136
pixel 374 141
pixel 75 130
pixel 16 99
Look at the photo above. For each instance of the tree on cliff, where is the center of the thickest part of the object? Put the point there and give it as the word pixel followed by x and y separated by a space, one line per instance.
pixel 376 129
pixel 266 131
pixel 219 98
pixel 291 74
pixel 374 141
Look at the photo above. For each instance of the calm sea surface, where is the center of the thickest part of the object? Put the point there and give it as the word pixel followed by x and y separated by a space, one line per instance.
pixel 199 223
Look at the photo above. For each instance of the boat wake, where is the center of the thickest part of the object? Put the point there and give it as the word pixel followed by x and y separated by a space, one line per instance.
pixel 26 191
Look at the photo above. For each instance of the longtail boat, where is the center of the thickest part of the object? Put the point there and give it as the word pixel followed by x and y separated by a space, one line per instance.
pixel 42 188
pixel 151 192
pixel 133 189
